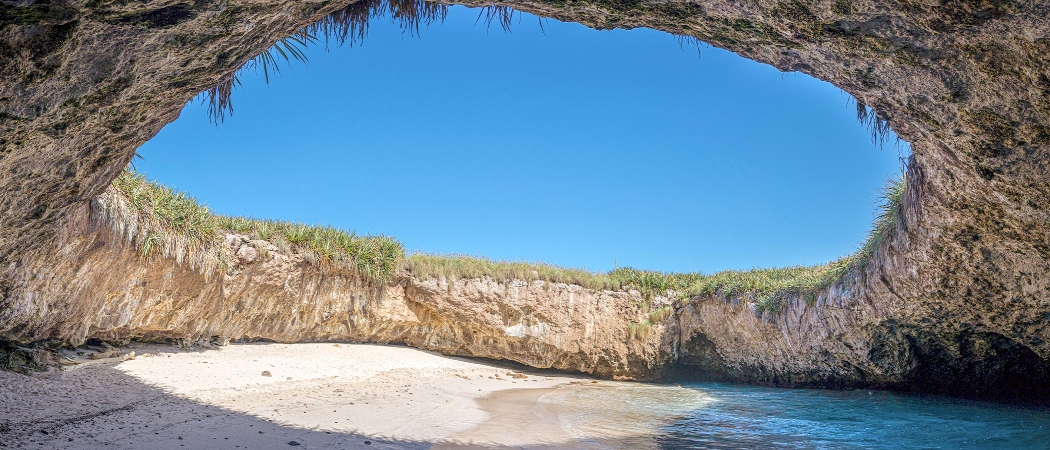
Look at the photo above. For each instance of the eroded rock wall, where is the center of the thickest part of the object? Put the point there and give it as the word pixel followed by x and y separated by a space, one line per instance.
pixel 91 284
pixel 957 300
pixel 915 318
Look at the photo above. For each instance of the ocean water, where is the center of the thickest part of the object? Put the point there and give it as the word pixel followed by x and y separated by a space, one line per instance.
pixel 724 416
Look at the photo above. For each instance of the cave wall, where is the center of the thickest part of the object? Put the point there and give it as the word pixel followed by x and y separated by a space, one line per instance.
pixel 91 284
pixel 966 82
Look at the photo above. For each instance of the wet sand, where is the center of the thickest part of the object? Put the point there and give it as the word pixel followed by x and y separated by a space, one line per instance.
pixel 514 421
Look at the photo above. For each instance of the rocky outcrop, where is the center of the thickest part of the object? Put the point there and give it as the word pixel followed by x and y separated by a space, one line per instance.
pixel 93 282
pixel 93 285
pixel 958 300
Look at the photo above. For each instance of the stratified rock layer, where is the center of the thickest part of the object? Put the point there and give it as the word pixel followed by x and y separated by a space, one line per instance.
pixel 957 301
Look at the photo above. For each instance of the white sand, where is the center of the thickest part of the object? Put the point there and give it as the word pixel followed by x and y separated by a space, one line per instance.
pixel 319 395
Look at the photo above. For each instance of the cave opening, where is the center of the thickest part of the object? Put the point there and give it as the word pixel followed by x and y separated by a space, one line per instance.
pixel 682 163
pixel 965 84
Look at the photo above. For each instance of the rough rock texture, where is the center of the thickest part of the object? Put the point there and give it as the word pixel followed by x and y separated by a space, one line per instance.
pixel 93 285
pixel 956 302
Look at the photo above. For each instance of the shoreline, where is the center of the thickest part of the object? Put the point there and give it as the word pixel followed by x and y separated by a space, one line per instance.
pixel 513 421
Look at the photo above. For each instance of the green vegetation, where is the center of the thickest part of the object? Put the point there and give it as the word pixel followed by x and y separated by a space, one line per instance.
pixel 459 266
pixel 349 24
pixel 23 15
pixel 768 288
pixel 175 221
pixel 162 220
pixel 877 125
pixel 641 330
pixel 887 219
pixel 220 97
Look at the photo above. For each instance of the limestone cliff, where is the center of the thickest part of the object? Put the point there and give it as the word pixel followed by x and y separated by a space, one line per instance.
pixel 92 284
pixel 957 301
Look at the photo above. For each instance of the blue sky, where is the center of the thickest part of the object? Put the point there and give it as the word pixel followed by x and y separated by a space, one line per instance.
pixel 576 147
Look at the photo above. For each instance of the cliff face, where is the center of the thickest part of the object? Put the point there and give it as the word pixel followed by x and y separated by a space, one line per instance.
pixel 958 300
pixel 92 284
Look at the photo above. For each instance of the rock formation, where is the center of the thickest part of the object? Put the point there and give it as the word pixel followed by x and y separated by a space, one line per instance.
pixel 956 301
pixel 95 285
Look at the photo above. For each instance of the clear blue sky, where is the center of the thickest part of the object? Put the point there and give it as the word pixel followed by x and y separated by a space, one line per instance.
pixel 578 148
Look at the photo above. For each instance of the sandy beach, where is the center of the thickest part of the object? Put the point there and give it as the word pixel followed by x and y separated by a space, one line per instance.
pixel 280 395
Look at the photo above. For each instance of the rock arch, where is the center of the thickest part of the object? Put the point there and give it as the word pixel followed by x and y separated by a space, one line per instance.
pixel 965 280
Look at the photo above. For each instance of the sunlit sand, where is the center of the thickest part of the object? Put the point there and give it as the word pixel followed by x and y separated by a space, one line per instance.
pixel 317 396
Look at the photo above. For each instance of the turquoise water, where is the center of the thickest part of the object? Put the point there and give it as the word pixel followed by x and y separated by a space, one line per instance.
pixel 723 416
pixel 755 417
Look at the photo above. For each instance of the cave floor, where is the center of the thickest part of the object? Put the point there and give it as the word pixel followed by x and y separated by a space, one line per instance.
pixel 280 395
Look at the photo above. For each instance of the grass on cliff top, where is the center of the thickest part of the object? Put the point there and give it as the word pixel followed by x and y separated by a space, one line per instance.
pixel 767 287
pixel 161 219
pixel 165 220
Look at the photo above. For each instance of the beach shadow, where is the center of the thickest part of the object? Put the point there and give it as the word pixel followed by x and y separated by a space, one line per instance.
pixel 97 405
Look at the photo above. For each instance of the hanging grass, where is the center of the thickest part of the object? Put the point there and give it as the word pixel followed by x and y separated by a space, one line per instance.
pixel 220 97
pixel 345 26
pixel 379 257
pixel 640 330
pixel 878 126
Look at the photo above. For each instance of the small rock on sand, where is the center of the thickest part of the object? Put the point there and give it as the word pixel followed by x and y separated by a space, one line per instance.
pixel 266 373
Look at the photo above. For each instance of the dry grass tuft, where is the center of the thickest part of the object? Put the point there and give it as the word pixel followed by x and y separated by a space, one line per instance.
pixel 350 24
pixel 162 221
pixel 347 25
pixel 877 125
pixel 502 14
pixel 220 98
pixel 468 267
pixel 642 329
